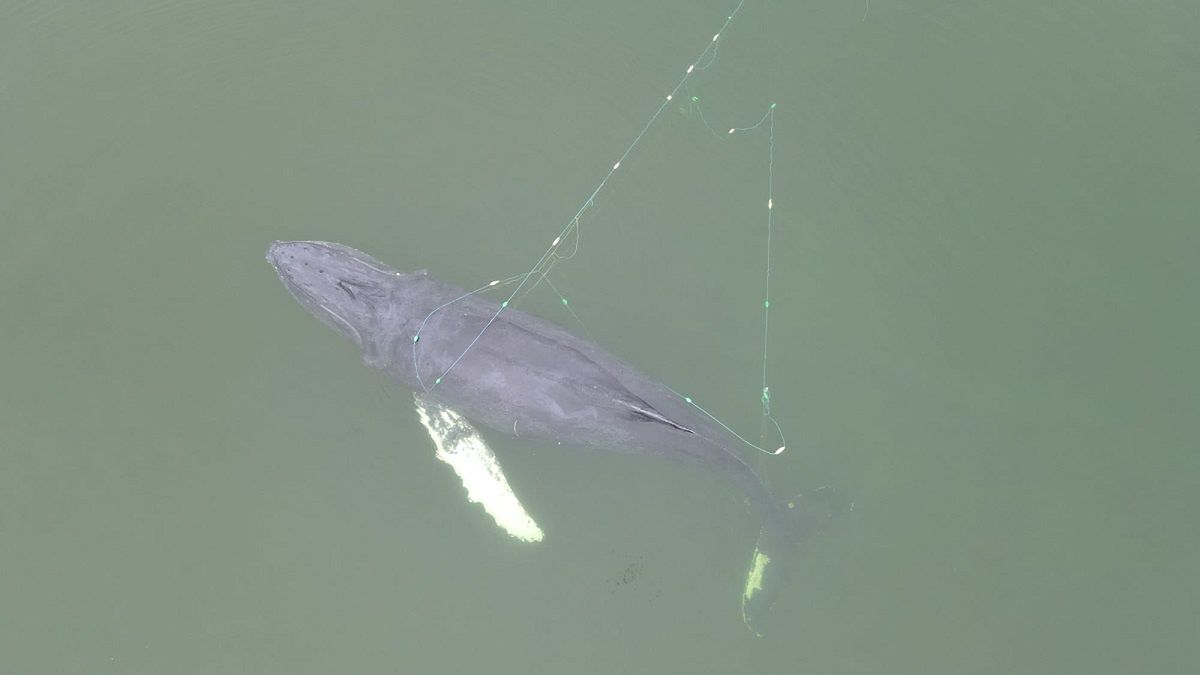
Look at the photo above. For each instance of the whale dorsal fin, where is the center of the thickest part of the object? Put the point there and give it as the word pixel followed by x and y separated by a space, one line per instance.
pixel 643 410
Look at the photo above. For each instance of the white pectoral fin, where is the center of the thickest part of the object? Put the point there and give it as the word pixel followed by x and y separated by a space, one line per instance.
pixel 460 445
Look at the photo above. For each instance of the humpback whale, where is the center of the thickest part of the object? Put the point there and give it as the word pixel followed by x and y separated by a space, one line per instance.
pixel 508 369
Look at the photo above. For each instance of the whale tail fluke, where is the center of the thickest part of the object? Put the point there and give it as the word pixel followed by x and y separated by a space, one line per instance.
pixel 785 527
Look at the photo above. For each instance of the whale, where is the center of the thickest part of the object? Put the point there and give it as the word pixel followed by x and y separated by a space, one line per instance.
pixel 515 373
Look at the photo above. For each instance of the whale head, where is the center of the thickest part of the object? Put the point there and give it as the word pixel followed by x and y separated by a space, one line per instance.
pixel 346 289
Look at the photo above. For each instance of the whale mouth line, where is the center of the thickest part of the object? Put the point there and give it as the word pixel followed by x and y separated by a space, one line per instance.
pixel 342 320
pixel 369 266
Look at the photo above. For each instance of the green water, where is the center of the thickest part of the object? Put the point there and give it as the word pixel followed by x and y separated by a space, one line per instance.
pixel 983 331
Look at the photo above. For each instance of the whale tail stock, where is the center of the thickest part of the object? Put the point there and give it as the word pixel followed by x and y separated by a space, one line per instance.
pixel 785 527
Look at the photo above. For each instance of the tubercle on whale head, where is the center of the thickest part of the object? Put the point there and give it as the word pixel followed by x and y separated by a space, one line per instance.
pixel 346 289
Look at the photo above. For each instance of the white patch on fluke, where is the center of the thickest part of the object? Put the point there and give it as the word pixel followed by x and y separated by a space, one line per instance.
pixel 460 445
pixel 754 579
pixel 754 583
